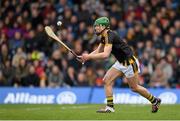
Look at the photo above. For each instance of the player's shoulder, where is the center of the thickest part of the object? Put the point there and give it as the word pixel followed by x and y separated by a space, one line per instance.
pixel 113 34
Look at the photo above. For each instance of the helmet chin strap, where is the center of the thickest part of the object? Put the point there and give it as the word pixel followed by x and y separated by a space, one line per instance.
pixel 101 31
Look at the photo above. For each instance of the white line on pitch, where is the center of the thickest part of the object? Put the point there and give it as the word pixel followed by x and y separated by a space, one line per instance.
pixel 76 107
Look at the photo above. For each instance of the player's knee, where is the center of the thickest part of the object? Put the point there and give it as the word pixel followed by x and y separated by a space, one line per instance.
pixel 107 81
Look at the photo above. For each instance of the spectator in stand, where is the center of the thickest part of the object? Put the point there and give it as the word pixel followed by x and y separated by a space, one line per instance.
pixel 70 77
pixel 56 56
pixel 3 38
pixel 81 80
pixel 122 31
pixel 16 42
pixel 19 54
pixel 90 76
pixel 38 68
pixel 4 54
pixel 20 72
pixel 2 80
pixel 99 79
pixel 32 79
pixel 166 68
pixel 55 78
pixel 8 72
pixel 158 79
pixel 146 76
pixel 177 45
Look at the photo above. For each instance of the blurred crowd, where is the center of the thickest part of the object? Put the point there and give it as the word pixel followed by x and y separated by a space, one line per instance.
pixel 29 58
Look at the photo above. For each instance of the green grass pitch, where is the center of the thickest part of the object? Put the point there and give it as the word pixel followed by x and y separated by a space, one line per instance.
pixel 86 112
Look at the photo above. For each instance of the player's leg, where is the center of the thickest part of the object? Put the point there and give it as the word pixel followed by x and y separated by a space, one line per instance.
pixel 108 79
pixel 132 76
pixel 133 84
pixel 135 87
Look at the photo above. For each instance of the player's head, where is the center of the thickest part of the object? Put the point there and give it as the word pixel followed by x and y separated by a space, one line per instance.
pixel 101 24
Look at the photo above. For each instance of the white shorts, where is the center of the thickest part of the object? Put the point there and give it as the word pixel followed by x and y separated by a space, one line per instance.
pixel 129 71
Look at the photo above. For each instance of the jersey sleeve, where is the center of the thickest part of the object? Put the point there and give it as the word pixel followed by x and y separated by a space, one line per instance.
pixel 108 39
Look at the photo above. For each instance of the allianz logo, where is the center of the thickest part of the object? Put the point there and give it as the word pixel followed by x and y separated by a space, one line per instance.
pixel 65 97
pixel 127 98
pixel 168 98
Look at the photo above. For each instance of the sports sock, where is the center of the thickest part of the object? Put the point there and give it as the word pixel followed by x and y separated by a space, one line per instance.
pixel 110 101
pixel 152 99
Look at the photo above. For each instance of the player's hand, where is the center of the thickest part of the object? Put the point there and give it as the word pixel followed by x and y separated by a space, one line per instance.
pixel 80 59
pixel 85 56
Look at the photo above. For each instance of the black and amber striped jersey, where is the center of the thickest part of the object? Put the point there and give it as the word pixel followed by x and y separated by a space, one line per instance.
pixel 120 49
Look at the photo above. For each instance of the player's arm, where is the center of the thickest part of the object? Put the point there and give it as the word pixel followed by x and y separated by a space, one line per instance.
pixel 102 55
pixel 107 44
pixel 98 49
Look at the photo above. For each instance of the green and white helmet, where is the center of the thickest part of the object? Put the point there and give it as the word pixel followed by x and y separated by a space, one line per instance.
pixel 102 21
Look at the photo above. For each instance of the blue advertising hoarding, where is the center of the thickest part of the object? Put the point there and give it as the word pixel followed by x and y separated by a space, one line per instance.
pixel 81 96
pixel 126 96
pixel 44 95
